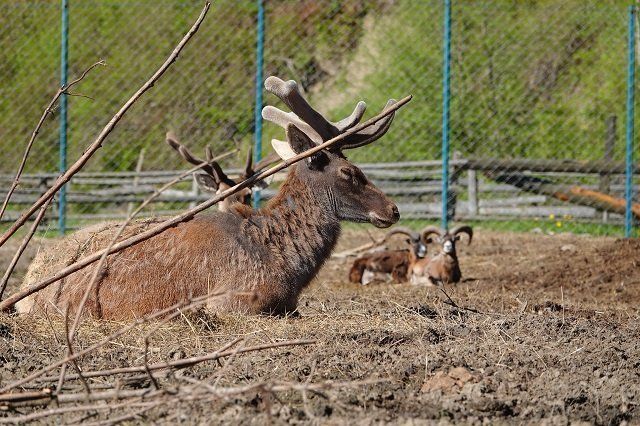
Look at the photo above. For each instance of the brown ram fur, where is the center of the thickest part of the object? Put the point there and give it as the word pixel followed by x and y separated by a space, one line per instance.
pixel 396 264
pixel 257 261
pixel 377 266
pixel 443 268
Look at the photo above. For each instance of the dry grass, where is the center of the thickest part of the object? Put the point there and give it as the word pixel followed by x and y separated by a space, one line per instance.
pixel 530 355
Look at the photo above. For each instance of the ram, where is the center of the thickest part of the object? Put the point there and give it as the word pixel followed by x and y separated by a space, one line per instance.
pixel 444 267
pixel 255 261
pixel 398 265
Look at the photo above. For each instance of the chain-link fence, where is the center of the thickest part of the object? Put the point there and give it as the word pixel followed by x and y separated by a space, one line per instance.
pixel 537 100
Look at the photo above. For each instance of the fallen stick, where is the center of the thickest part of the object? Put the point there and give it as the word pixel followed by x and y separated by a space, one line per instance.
pixel 48 110
pixel 193 392
pixel 189 214
pixel 64 410
pixel 356 250
pixel 97 143
pixel 189 304
pixel 179 364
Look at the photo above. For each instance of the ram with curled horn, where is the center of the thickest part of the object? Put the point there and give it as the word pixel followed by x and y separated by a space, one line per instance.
pixel 397 265
pixel 444 267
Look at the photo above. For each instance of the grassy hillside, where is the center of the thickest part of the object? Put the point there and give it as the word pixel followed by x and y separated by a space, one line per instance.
pixel 535 78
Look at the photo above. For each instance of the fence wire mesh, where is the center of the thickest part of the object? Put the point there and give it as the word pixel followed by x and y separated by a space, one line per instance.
pixel 537 99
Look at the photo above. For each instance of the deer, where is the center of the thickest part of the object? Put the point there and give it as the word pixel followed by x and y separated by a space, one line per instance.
pixel 443 268
pixel 395 264
pixel 253 261
pixel 212 178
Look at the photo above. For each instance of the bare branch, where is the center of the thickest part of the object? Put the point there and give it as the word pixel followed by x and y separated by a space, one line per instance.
pixel 23 246
pixel 97 144
pixel 10 301
pixel 184 362
pixel 48 110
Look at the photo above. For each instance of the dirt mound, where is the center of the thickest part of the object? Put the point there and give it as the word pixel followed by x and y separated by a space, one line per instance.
pixel 584 272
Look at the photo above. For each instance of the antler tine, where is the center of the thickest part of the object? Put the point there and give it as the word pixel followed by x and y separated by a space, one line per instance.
pixel 173 142
pixel 288 92
pixel 213 169
pixel 283 119
pixel 350 121
pixel 372 133
pixel 403 230
pixel 465 229
pixel 428 230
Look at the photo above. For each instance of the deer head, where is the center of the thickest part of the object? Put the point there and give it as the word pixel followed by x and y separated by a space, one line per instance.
pixel 213 179
pixel 447 239
pixel 346 190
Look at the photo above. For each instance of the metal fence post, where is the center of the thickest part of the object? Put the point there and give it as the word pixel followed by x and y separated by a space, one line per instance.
pixel 628 190
pixel 446 68
pixel 64 56
pixel 257 151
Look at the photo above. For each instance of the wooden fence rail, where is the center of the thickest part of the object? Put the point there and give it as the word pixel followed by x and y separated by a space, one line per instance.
pixel 415 185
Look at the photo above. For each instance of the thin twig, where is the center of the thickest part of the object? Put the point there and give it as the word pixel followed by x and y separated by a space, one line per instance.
pixel 65 410
pixel 182 363
pixel 97 144
pixel 194 393
pixel 147 370
pixel 48 110
pixel 23 246
pixel 455 305
pixel 10 301
pixel 191 303
pixel 356 250
pixel 74 362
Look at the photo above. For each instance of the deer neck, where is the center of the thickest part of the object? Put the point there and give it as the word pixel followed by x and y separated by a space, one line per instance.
pixel 301 224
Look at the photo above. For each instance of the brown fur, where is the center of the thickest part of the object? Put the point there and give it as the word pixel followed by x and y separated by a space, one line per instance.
pixel 260 260
pixel 444 267
pixel 393 262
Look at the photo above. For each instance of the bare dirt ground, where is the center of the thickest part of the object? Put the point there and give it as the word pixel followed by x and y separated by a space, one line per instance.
pixel 545 331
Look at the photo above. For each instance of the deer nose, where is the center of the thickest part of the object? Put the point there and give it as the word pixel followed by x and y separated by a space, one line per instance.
pixel 395 213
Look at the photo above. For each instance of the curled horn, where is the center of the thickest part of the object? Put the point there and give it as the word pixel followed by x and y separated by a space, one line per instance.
pixel 403 230
pixel 463 229
pixel 428 230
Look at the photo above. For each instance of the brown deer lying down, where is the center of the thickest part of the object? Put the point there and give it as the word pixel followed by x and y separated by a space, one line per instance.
pixel 213 179
pixel 259 260
pixel 395 264
pixel 444 267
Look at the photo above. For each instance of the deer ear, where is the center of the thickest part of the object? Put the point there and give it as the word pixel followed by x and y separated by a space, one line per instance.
pixel 206 182
pixel 283 149
pixel 298 140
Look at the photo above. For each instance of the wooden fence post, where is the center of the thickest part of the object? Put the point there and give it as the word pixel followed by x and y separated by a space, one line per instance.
pixel 472 186
pixel 609 144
